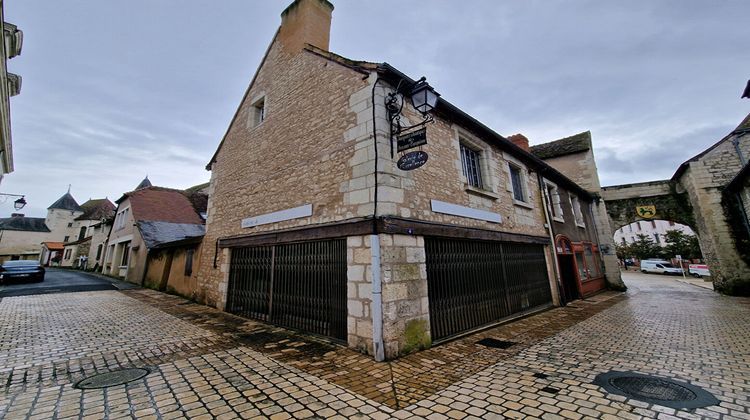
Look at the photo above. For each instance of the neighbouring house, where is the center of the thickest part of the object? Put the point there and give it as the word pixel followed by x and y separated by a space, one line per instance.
pixel 145 220
pixel 99 234
pixel 61 216
pixel 313 224
pixel 570 209
pixel 21 237
pixel 52 253
pixel 10 85
pixel 574 157
pixel 75 254
pixel 91 238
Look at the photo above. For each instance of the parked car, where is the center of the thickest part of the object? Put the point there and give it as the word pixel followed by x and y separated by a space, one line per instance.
pixel 27 270
pixel 659 266
pixel 698 270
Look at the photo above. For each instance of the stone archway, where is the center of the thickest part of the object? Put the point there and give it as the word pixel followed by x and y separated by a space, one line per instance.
pixel 622 202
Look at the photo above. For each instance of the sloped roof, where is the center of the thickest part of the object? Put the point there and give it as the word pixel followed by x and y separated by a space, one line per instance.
pixel 24 224
pixel 161 204
pixel 405 84
pixel 66 202
pixel 78 242
pixel 97 209
pixel 144 184
pixel 54 246
pixel 576 143
pixel 158 233
pixel 743 127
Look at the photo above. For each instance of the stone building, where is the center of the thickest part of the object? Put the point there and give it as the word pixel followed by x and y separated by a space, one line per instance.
pixel 313 225
pixel 146 218
pixel 21 237
pixel 10 85
pixel 574 157
pixel 704 178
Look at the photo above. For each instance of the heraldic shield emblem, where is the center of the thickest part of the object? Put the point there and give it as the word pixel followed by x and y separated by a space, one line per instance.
pixel 646 212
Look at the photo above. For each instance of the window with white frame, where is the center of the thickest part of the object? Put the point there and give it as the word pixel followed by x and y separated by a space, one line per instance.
pixel 472 168
pixel 553 199
pixel 575 204
pixel 517 182
pixel 259 111
pixel 121 218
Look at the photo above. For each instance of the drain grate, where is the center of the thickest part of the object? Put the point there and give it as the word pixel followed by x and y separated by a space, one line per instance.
pixel 114 378
pixel 655 390
pixel 495 343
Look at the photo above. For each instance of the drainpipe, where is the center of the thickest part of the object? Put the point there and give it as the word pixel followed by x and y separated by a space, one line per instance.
pixel 736 143
pixel 377 300
pixel 376 309
pixel 548 220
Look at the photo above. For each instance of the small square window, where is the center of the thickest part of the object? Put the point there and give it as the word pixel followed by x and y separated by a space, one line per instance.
pixel 470 161
pixel 259 112
pixel 70 224
pixel 577 213
pixel 553 198
pixel 65 239
pixel 516 179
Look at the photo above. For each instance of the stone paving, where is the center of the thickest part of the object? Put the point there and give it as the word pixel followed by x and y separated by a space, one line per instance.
pixel 208 364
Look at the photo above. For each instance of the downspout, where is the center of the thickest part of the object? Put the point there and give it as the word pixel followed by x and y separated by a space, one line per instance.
pixel 377 287
pixel 548 220
pixel 736 143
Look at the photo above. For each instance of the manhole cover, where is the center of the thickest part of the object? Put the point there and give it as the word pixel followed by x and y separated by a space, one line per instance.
pixel 655 390
pixel 114 378
pixel 495 343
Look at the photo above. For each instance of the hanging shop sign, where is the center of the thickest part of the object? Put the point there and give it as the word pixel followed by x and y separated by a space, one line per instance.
pixel 411 140
pixel 412 160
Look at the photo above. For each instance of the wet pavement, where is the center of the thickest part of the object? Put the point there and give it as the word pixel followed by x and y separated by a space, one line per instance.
pixel 57 280
pixel 209 364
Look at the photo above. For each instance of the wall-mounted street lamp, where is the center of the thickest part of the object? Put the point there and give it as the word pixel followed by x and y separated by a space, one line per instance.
pixel 423 98
pixel 18 204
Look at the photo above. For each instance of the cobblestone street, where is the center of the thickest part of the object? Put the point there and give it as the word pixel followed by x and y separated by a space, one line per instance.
pixel 209 364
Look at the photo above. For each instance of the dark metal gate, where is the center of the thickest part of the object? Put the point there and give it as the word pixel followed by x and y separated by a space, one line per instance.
pixel 472 283
pixel 299 285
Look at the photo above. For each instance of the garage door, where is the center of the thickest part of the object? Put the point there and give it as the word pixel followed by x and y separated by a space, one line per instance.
pixel 474 283
pixel 300 286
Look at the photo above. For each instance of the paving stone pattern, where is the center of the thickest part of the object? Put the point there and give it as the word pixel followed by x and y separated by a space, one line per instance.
pixel 209 364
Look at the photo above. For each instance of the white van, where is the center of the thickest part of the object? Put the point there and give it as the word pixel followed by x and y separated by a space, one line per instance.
pixel 659 266
pixel 699 270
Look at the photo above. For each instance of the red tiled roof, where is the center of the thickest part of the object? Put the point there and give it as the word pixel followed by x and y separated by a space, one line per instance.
pixel 161 204
pixel 54 246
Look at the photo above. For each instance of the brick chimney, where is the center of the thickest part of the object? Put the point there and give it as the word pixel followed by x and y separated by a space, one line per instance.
pixel 520 140
pixel 306 22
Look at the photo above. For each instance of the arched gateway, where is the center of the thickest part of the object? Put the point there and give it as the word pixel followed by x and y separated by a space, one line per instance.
pixel 709 193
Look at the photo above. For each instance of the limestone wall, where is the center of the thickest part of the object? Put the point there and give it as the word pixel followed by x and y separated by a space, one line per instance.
pixel 300 154
pixel 703 181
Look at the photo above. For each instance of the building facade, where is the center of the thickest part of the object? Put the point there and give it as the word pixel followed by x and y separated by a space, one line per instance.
pixel 10 85
pixel 313 224
pixel 145 219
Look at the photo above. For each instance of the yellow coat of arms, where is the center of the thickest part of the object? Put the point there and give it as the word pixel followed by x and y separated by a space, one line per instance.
pixel 646 212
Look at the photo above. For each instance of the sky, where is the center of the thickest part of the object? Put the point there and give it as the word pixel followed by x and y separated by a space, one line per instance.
pixel 114 91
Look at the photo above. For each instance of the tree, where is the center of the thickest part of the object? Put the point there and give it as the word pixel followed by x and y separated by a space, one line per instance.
pixel 644 248
pixel 680 243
